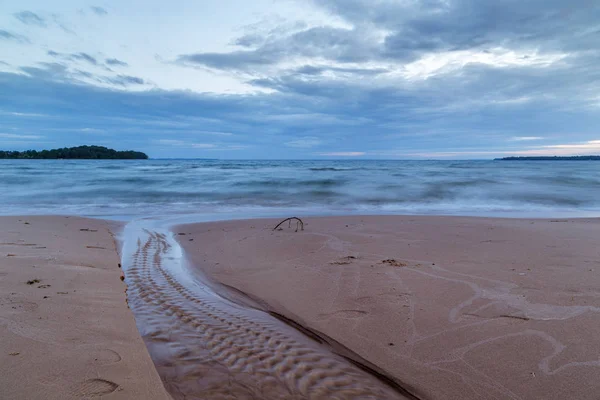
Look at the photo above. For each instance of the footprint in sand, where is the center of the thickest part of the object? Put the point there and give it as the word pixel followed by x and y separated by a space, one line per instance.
pixel 95 388
pixel 106 356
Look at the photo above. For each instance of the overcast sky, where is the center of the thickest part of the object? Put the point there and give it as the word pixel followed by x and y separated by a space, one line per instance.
pixel 303 79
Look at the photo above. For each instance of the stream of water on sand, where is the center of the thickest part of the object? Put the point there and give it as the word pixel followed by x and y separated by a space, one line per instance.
pixel 209 346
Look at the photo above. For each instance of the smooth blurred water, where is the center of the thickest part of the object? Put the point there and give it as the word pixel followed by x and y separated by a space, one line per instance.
pixel 238 189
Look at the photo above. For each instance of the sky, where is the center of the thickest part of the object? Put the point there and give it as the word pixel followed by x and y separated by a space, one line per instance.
pixel 303 79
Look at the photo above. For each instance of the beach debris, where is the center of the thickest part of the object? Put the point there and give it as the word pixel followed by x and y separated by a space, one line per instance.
pixel 33 281
pixel 10 255
pixel 299 223
pixel 394 263
pixel 62 292
pixel 339 263
pixel 44 286
pixel 343 261
pixel 14 354
pixel 122 277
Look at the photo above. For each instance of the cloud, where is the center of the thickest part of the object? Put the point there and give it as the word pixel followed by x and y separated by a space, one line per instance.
pixel 46 71
pixel 321 70
pixel 30 18
pixel 465 51
pixel 304 142
pixel 398 33
pixel 74 56
pixel 590 147
pixel 380 120
pixel 317 42
pixel 125 80
pixel 343 154
pixel 84 57
pixel 525 138
pixel 61 72
pixel 6 35
pixel 64 72
pixel 455 78
pixel 17 136
pixel 233 60
pixel 115 62
pixel 170 142
pixel 202 146
pixel 462 24
pixel 215 133
pixel 22 114
pixel 98 10
pixel 61 25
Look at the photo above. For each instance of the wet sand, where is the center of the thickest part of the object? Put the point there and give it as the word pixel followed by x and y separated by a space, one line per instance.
pixel 66 331
pixel 455 308
pixel 209 347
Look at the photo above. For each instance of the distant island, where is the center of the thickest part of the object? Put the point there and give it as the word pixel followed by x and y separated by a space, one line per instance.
pixel 75 153
pixel 550 158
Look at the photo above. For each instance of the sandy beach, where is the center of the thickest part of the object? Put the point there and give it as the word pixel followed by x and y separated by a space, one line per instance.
pixel 414 307
pixel 66 330
pixel 458 308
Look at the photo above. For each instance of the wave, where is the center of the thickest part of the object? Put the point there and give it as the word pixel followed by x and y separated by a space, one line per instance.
pixel 387 186
pixel 333 169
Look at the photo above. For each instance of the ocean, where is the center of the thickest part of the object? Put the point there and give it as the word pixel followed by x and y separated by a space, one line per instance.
pixel 217 189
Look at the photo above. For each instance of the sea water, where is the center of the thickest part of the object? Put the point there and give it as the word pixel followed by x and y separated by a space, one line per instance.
pixel 220 189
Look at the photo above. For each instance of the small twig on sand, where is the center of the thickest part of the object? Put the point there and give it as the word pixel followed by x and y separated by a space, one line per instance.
pixel 299 223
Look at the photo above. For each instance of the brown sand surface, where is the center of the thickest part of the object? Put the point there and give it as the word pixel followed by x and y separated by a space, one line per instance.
pixel 66 331
pixel 459 308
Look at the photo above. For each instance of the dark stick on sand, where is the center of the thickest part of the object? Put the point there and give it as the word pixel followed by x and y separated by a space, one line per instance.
pixel 298 223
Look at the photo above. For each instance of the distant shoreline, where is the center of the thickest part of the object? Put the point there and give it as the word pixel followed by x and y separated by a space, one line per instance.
pixel 547 158
pixel 74 153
